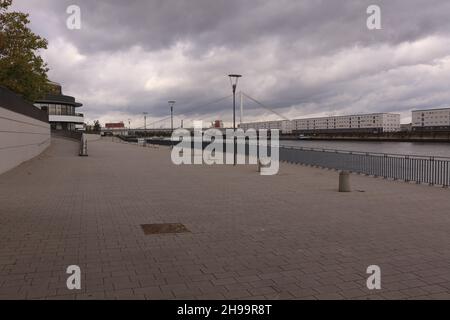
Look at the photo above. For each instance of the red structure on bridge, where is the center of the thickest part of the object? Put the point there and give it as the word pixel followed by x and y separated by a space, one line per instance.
pixel 117 125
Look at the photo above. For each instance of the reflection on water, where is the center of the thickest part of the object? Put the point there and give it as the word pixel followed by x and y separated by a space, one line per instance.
pixel 407 148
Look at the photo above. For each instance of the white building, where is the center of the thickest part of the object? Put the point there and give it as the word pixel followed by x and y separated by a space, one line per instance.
pixel 431 119
pixel 376 122
pixel 61 109
pixel 285 126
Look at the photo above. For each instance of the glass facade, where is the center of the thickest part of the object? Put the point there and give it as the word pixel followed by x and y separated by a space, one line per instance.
pixel 62 126
pixel 57 109
pixel 61 109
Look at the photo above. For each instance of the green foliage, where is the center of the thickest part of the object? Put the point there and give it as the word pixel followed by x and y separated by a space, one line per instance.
pixel 22 70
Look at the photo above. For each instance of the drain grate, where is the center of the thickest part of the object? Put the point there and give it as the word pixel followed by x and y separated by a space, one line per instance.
pixel 161 228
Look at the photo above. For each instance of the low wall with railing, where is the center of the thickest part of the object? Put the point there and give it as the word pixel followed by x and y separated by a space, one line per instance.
pixel 420 169
pixel 24 130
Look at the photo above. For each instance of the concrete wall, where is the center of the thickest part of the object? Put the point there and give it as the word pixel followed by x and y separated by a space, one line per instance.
pixel 21 138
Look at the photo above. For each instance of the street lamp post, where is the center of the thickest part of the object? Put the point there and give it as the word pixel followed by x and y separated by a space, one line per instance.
pixel 234 81
pixel 171 104
pixel 145 122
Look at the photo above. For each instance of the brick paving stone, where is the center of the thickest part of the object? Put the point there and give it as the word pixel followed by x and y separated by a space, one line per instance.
pixel 329 296
pixel 440 296
pixel 212 296
pixel 262 290
pixel 236 294
pixel 224 281
pixel 352 294
pixel 301 293
pixel 91 296
pixel 434 289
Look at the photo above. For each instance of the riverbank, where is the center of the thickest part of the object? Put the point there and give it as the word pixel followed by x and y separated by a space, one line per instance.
pixel 381 139
pixel 384 137
pixel 434 149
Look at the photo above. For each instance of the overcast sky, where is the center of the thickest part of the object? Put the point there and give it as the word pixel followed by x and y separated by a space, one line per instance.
pixel 299 57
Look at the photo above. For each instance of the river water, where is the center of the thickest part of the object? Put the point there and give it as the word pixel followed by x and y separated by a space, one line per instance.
pixel 430 149
pixel 405 148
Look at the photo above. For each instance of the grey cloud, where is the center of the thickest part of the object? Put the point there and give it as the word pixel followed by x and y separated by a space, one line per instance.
pixel 284 48
pixel 320 25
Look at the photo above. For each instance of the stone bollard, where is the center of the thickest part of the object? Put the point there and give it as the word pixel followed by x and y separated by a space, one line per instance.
pixel 83 146
pixel 344 181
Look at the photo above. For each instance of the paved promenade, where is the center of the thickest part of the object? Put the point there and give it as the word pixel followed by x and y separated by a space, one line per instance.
pixel 290 236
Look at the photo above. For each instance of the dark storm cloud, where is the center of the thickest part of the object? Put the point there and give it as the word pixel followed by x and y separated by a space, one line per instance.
pixel 323 25
pixel 301 56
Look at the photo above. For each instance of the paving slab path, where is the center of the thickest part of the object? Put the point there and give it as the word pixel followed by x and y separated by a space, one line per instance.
pixel 289 236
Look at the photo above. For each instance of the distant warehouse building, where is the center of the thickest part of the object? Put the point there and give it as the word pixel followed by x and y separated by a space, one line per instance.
pixel 369 123
pixel 431 120
pixel 285 126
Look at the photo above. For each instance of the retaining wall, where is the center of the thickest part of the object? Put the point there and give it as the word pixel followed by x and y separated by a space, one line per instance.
pixel 24 130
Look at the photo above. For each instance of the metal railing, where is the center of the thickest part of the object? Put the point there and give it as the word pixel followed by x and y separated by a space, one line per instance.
pixel 420 169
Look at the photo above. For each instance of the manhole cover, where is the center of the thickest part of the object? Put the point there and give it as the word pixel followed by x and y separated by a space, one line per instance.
pixel 160 228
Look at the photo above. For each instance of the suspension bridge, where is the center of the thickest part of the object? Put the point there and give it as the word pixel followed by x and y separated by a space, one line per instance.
pixel 187 119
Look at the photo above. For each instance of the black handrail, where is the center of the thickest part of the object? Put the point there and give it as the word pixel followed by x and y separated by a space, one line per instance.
pixel 420 169
pixel 362 152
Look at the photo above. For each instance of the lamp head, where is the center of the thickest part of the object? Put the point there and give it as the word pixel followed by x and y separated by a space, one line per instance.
pixel 234 78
